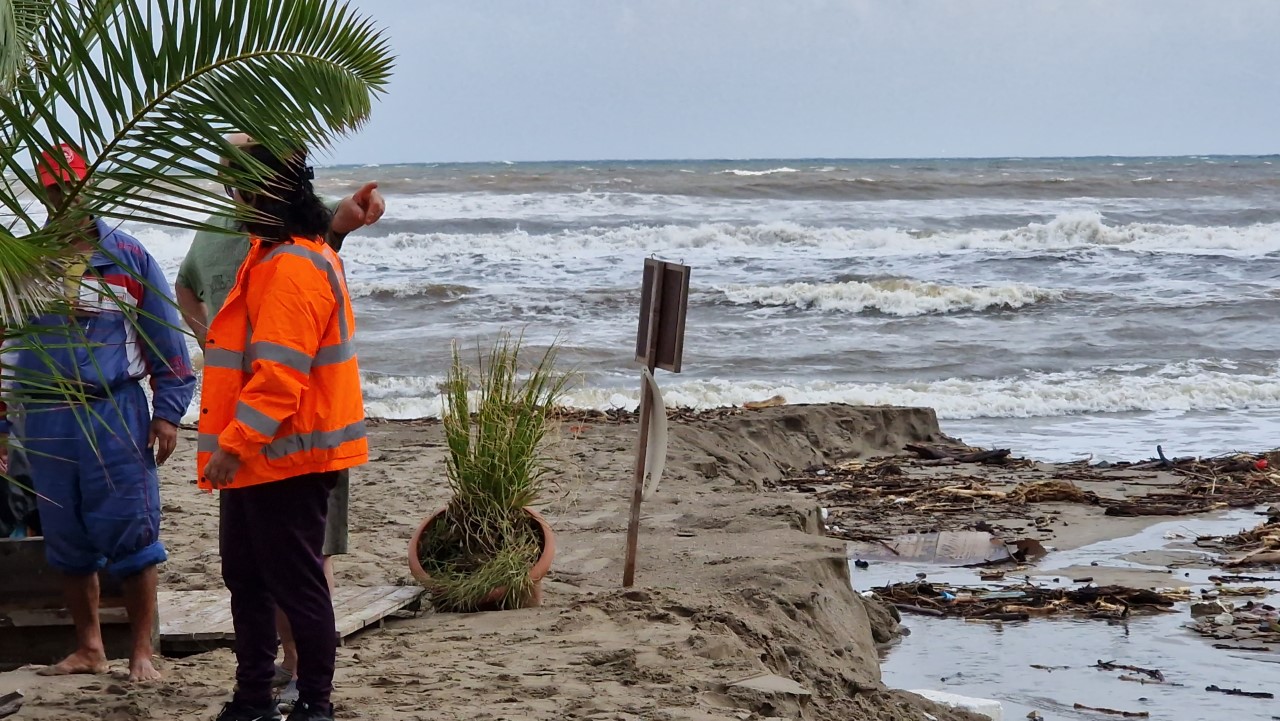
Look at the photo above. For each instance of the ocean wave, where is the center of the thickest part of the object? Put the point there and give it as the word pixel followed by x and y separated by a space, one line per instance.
pixel 1187 386
pixel 1064 233
pixel 388 290
pixel 752 173
pixel 1171 388
pixel 897 297
pixel 409 264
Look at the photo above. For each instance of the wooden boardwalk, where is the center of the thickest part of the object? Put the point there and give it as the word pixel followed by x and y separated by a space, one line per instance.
pixel 197 620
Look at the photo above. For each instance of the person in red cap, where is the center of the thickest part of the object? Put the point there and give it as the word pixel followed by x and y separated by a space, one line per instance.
pixel 70 168
pixel 93 459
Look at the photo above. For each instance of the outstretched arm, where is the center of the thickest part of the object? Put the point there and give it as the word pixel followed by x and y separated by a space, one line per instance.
pixel 363 208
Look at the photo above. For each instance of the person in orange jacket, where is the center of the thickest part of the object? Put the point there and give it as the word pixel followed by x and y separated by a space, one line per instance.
pixel 281 413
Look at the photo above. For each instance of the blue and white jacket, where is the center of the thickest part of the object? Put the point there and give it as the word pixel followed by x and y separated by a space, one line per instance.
pixel 125 328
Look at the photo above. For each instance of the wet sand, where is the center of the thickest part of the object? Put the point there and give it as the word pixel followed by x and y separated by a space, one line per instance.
pixel 997 659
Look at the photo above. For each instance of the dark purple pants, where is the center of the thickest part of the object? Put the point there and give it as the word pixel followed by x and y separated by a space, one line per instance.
pixel 271 536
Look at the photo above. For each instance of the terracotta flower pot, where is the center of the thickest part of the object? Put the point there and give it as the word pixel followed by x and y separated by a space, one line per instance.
pixel 537 571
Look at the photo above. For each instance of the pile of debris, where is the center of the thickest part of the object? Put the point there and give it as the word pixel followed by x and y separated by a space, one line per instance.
pixel 1021 603
pixel 970 487
pixel 1252 626
pixel 880 498
pixel 1236 480
pixel 1261 545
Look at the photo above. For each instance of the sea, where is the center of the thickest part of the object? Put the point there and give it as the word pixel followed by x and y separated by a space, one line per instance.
pixel 1066 308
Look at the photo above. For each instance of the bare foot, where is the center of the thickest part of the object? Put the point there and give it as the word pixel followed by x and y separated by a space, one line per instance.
pixel 141 670
pixel 82 661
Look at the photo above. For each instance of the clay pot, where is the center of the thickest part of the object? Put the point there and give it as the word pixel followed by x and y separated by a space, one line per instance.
pixel 537 571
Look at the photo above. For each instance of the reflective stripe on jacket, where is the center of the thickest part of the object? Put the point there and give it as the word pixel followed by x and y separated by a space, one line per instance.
pixel 281 383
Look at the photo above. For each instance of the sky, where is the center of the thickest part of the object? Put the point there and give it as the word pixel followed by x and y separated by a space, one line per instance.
pixel 521 80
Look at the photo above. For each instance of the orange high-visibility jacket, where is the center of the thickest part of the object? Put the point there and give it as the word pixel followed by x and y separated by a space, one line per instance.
pixel 281 385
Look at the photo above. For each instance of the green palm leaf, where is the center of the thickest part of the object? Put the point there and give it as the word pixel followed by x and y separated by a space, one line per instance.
pixel 19 20
pixel 151 92
pixel 148 89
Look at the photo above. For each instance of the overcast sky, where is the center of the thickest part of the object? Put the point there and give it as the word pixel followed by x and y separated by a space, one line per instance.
pixel 635 79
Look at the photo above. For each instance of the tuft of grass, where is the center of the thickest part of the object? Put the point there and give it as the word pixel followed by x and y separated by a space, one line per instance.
pixel 496 418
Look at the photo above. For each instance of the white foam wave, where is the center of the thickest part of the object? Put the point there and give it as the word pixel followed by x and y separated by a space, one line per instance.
pixel 772 171
pixel 713 241
pixel 898 297
pixel 401 396
pixel 1196 386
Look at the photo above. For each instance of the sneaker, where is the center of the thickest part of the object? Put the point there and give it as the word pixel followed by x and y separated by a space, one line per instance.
pixel 237 712
pixel 310 712
pixel 287 697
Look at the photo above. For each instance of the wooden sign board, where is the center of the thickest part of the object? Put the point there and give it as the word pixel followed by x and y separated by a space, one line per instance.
pixel 664 304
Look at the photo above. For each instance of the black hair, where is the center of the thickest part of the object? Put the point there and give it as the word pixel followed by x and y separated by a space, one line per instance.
pixel 289 203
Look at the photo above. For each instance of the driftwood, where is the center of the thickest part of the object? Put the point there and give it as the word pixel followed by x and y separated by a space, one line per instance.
pixel 919 610
pixel 959 455
pixel 1238 692
pixel 1113 712
pixel 1131 509
pixel 1260 557
pixel 1154 674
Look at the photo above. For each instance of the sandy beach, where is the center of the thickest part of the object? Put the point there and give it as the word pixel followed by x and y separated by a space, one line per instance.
pixel 739 577
pixel 733 583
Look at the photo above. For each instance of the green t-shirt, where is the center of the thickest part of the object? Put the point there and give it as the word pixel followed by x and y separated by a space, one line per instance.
pixel 211 265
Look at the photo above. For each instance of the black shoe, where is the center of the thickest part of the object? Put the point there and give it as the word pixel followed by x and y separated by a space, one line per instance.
pixel 310 712
pixel 238 712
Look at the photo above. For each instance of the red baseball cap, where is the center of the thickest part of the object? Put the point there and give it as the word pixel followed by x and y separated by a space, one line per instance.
pixel 66 169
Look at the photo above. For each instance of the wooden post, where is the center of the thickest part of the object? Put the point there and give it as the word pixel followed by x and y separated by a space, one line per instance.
pixel 652 289
pixel 659 344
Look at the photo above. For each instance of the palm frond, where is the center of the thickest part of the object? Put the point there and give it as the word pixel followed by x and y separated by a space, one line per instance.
pixel 19 20
pixel 147 89
pixel 150 97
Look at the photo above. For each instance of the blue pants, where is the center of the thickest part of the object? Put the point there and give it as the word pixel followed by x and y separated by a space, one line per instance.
pixel 99 495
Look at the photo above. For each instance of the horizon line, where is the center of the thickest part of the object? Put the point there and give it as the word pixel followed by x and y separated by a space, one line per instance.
pixel 912 158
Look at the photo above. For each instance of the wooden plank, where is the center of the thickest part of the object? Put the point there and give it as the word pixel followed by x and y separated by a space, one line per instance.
pixel 349 601
pixel 27 577
pixel 195 615
pixel 392 599
pixel 373 603
pixel 19 618
pixel 204 617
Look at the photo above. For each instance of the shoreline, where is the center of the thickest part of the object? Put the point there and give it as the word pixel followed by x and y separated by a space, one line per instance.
pixel 734 580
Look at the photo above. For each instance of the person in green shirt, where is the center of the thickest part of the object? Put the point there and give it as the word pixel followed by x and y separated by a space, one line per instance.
pixel 207 274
